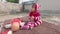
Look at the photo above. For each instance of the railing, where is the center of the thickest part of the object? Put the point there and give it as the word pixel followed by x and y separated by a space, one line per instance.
pixel 2 0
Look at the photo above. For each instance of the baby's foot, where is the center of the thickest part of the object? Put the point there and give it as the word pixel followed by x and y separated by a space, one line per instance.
pixel 31 26
pixel 25 27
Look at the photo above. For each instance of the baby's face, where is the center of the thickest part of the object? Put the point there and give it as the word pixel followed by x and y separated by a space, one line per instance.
pixel 33 9
pixel 15 26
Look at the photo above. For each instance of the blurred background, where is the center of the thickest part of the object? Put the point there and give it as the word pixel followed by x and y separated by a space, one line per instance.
pixel 50 9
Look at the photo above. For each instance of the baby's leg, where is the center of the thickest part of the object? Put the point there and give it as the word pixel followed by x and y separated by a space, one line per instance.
pixel 8 26
pixel 28 26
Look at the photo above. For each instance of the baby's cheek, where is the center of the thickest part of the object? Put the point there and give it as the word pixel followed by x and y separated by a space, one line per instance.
pixel 15 27
pixel 33 9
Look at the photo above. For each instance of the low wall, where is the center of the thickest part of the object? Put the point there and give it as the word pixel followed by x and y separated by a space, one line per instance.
pixel 9 7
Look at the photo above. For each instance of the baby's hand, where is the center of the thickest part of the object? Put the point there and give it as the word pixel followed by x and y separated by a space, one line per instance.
pixel 22 24
pixel 32 17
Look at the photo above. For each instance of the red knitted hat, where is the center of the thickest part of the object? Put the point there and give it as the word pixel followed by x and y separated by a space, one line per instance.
pixel 16 20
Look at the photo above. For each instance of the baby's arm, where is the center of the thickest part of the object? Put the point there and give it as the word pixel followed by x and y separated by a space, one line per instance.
pixel 7 26
pixel 31 18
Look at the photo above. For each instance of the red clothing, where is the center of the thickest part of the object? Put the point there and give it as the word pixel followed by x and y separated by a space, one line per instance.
pixel 37 18
pixel 35 15
pixel 6 31
pixel 16 20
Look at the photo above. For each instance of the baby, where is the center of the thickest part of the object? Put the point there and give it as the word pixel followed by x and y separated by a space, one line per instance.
pixel 34 17
pixel 13 26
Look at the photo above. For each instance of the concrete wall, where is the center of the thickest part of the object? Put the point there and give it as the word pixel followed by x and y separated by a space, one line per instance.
pixel 49 4
pixel 9 7
pixel 45 5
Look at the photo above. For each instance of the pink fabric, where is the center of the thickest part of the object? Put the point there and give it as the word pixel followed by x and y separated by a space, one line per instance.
pixel 37 6
pixel 36 13
pixel 29 25
pixel 6 31
pixel 26 27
